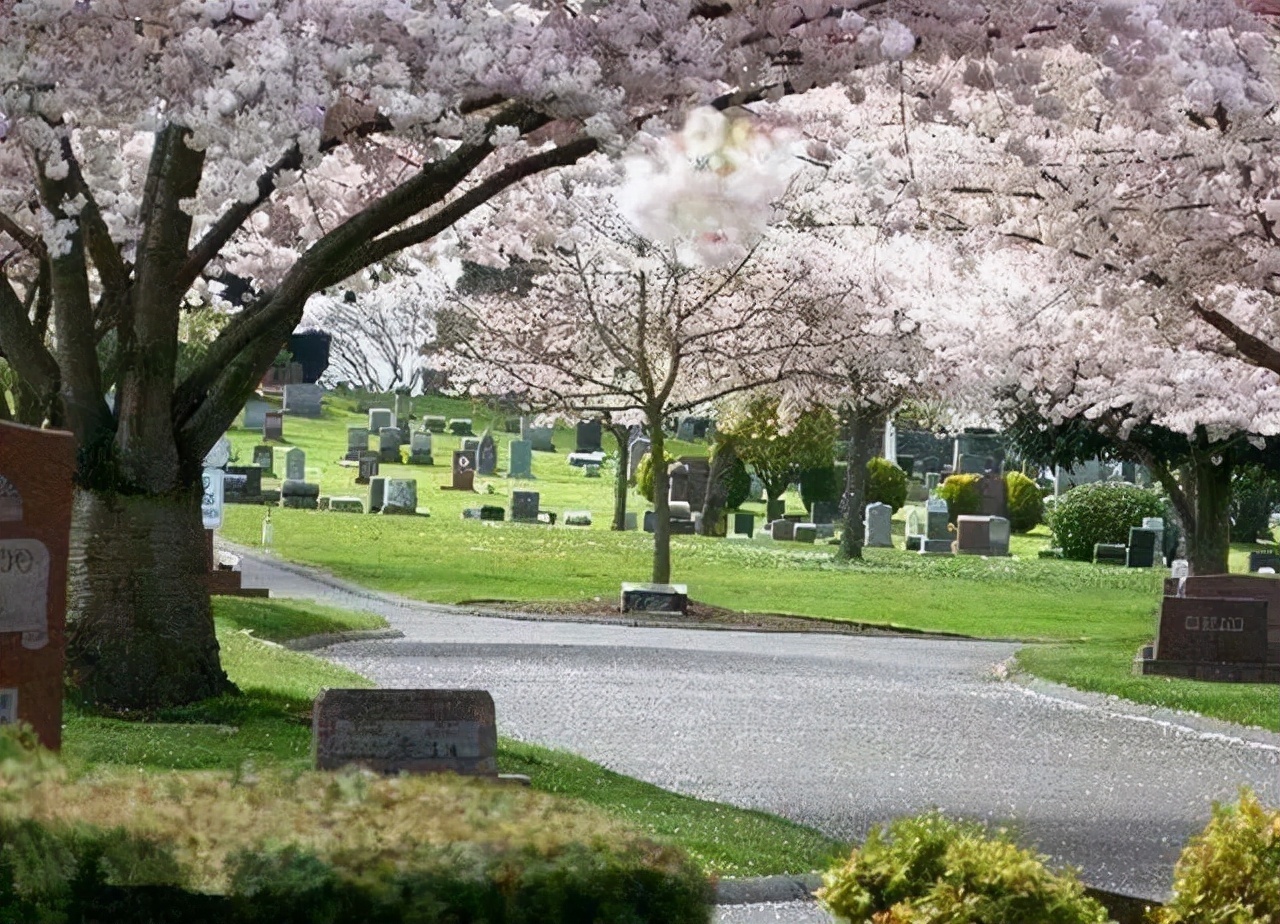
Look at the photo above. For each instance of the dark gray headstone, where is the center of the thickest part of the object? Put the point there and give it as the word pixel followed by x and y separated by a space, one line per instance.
pixel 368 467
pixel 589 434
pixel 264 458
pixel 414 731
pixel 273 426
pixel 936 520
pixel 1108 553
pixel 524 506
pixel 487 455
pixel 638 449
pixel 464 470
pixel 434 424
pixel 380 418
pixel 377 494
pixel 255 414
pixel 389 445
pixel 744 524
pixel 655 598
pixel 420 448
pixel 1141 552
pixel 401 497
pixel 823 512
pixel 295 464
pixel 357 442
pixel 303 400
pixel 1259 560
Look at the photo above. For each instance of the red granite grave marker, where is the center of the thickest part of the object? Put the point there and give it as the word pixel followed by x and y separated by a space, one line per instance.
pixel 36 467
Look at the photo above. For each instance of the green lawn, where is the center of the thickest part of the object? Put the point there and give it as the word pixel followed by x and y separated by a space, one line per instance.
pixel 268 724
pixel 1098 616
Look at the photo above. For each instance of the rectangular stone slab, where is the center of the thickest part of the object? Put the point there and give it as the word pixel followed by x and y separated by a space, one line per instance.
pixel 655 598
pixel 406 731
pixel 1212 629
pixel 1252 587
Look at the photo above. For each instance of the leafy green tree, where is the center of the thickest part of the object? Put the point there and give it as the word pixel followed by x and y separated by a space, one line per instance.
pixel 776 454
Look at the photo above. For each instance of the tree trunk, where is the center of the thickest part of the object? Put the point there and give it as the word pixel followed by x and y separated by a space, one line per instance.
pixel 1209 540
pixel 722 464
pixel 620 483
pixel 140 628
pixel 865 426
pixel 661 508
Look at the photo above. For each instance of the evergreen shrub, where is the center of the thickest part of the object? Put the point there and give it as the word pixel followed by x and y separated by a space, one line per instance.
pixel 644 475
pixel 886 483
pixel 931 870
pixel 1230 872
pixel 961 494
pixel 820 483
pixel 1026 504
pixel 1100 512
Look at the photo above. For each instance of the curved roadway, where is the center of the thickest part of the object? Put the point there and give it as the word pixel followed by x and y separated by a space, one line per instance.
pixel 836 732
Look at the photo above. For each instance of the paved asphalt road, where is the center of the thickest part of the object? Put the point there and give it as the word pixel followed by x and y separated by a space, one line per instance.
pixel 836 732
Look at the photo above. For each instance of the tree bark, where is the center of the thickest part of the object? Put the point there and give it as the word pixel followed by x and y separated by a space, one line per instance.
pixel 620 435
pixel 865 425
pixel 718 488
pixel 1209 540
pixel 140 627
pixel 661 508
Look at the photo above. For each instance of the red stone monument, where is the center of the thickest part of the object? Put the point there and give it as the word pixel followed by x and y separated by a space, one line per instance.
pixel 36 467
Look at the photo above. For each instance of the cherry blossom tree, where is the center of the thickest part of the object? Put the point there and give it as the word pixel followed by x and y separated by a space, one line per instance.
pixel 620 326
pixel 149 148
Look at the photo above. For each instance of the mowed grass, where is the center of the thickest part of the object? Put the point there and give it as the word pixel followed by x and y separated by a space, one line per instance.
pixel 268 725
pixel 1097 616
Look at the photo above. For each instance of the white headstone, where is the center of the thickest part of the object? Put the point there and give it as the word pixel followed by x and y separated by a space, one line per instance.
pixel 211 501
pixel 879 526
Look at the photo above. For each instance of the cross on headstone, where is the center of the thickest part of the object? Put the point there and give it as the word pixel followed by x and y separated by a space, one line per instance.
pixel 464 470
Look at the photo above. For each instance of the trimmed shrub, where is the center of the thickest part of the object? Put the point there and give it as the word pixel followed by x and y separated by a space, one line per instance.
pixel 1230 872
pixel 1026 503
pixel 819 484
pixel 929 869
pixel 886 483
pixel 1101 512
pixel 644 475
pixel 961 494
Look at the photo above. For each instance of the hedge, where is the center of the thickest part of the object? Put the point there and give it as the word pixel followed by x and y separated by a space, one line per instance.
pixel 1101 512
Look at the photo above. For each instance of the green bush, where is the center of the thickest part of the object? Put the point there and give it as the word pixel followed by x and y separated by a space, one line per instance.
pixel 1230 872
pixel 930 870
pixel 961 494
pixel 1255 495
pixel 886 483
pixel 644 475
pixel 819 483
pixel 1101 512
pixel 739 485
pixel 1026 503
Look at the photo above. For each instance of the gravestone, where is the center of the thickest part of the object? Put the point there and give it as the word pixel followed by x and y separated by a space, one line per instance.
pixel 464 471
pixel 937 535
pixel 434 424
pixel 403 410
pixel 524 506
pixel 806 533
pixel 346 505
pixel 823 512
pixel 264 458
pixel 699 472
pixel 295 465
pixel 679 510
pixel 357 443
pixel 273 426
pixel 460 426
pixel 647 521
pixel 775 510
pixel 629 521
pixel 782 530
pixel 487 455
pixel 1257 665
pixel 401 497
pixel 1109 553
pixel 519 459
pixel 931 482
pixel 967 464
pixel 492 512
pixel 655 598
pixel 1212 629
pixel 368 467
pixel 744 524
pixel 756 490
pixel 36 469
pixel 1001 531
pixel 907 464
pixel 588 436
pixel 303 400
pixel 540 438
pixel 389 445
pixel 255 414
pixel 1141 551
pixel 577 518
pixel 381 418
pixel 242 484
pixel 993 495
pixel 1259 560
pixel 1157 524
pixel 638 449
pixel 420 448
pixel 878 526
pixel 377 494
pixel 973 535
pixel 512 425
pixel 984 449
pixel 298 495
pixel 678 483
pixel 406 731
pixel 590 471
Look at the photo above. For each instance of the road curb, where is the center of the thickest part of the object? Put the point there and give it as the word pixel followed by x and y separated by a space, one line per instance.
pixel 760 890
pixel 325 639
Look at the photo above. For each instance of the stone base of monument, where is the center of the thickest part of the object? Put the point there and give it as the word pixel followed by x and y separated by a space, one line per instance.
pixel 935 547
pixel 655 598
pixel 1108 553
pixel 418 458
pixel 346 505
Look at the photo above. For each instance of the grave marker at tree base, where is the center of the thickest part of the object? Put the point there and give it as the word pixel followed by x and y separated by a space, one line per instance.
pixel 406 731
pixel 1224 627
pixel 655 598
pixel 36 468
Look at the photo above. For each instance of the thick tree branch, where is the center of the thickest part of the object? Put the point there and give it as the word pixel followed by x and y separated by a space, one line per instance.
pixel 25 239
pixel 23 346
pixel 1254 349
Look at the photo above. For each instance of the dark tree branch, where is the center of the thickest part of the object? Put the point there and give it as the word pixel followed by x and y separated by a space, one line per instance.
pixel 1254 349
